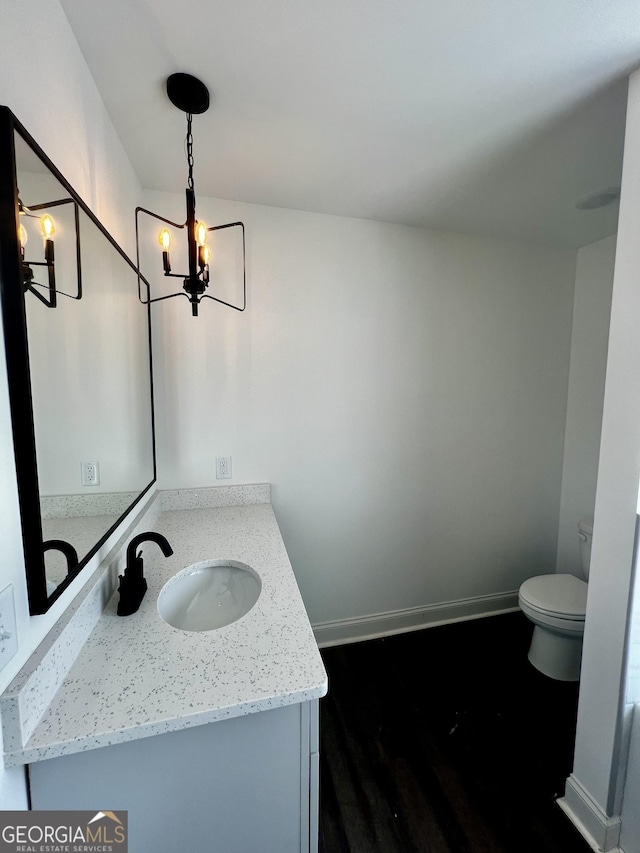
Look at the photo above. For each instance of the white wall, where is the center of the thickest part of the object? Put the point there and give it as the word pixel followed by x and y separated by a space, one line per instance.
pixel 66 116
pixel 403 390
pixel 589 340
pixel 600 714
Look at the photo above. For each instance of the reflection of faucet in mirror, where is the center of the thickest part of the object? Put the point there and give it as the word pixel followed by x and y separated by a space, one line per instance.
pixel 133 584
pixel 47 229
pixel 67 549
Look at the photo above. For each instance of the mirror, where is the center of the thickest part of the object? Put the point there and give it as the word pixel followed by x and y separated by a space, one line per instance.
pixel 79 366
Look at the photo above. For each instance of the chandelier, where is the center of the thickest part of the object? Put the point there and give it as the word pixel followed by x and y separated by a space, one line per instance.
pixel 190 95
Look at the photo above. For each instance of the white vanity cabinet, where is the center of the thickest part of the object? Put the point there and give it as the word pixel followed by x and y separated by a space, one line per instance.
pixel 248 784
pixel 208 739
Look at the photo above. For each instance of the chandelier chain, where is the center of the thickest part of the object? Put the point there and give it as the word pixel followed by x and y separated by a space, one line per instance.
pixel 189 142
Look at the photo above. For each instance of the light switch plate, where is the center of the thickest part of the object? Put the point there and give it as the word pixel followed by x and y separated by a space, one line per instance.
pixel 8 633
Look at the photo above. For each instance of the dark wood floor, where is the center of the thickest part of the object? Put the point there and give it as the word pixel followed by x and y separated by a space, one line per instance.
pixel 445 741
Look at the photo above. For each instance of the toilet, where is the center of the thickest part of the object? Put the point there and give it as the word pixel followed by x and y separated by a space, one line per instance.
pixel 556 604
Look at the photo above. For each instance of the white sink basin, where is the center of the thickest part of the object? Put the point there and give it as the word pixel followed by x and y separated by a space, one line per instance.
pixel 209 595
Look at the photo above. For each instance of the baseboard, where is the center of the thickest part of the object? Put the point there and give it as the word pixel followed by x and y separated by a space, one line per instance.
pixel 342 631
pixel 601 832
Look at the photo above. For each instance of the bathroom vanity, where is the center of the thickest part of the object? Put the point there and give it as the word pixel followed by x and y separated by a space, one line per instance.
pixel 243 784
pixel 209 739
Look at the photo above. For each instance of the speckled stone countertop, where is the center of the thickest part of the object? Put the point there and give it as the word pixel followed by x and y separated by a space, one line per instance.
pixel 137 676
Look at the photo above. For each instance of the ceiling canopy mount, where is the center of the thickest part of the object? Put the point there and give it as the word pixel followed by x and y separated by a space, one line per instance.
pixel 187 93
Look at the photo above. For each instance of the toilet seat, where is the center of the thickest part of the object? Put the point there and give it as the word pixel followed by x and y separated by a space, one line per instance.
pixel 560 624
pixel 560 596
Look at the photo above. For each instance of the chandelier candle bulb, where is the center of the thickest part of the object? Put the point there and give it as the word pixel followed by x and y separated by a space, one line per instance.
pixel 47 227
pixel 164 238
pixel 201 233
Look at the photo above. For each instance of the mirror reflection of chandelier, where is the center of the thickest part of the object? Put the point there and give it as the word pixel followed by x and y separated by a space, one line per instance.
pixel 46 293
pixel 190 95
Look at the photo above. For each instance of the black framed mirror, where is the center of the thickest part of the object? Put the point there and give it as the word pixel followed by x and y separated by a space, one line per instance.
pixel 78 355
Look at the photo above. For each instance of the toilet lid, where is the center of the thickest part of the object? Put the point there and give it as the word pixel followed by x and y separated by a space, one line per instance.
pixel 559 595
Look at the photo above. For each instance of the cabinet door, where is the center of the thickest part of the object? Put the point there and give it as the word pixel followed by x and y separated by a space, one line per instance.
pixel 232 786
pixel 310 780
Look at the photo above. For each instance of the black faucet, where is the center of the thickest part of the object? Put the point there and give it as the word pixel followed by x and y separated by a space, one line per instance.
pixel 67 549
pixel 133 584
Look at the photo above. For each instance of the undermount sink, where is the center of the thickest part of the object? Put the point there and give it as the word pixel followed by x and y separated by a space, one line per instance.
pixel 209 595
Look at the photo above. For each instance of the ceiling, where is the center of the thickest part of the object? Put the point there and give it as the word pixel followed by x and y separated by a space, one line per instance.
pixel 484 116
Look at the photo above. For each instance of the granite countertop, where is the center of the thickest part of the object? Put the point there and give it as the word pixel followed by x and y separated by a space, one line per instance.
pixel 137 676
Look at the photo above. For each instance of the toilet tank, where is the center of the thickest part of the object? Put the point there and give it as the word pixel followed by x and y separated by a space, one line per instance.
pixel 585 533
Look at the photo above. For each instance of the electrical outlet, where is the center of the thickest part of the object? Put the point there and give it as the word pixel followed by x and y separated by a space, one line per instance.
pixel 90 473
pixel 8 634
pixel 223 467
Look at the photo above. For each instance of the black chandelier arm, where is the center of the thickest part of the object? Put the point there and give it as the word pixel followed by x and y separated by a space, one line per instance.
pixel 57 203
pixel 169 296
pixel 229 225
pixel 202 296
pixel 51 286
pixel 51 301
pixel 183 225
pixel 30 285
pixel 158 217
pixel 244 268
pixel 141 278
pixel 222 302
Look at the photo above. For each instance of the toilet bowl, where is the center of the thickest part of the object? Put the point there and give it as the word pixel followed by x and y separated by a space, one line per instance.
pixel 556 604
